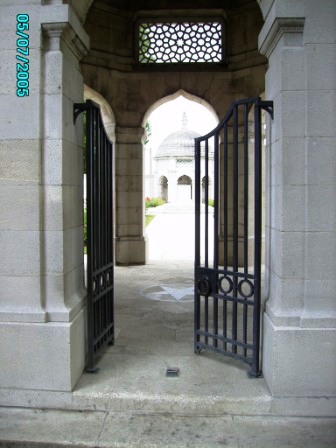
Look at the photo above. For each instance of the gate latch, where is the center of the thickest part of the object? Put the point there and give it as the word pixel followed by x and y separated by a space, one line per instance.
pixel 204 286
pixel 204 280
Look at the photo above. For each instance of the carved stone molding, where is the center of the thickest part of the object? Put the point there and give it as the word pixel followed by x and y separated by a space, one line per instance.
pixel 58 34
pixel 279 27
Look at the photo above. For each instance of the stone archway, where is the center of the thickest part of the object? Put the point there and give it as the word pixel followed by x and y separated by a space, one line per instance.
pixel 57 295
pixel 106 110
pixel 134 92
pixel 184 189
pixel 164 193
pixel 283 28
pixel 183 93
pixel 174 156
pixel 42 295
pixel 206 184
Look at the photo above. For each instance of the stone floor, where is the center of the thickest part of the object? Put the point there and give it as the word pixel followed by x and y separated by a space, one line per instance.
pixel 130 402
pixel 154 331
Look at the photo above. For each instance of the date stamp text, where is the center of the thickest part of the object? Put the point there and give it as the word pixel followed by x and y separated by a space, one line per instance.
pixel 22 56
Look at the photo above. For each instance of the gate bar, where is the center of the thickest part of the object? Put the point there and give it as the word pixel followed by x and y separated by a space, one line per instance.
pixel 100 257
pixel 210 281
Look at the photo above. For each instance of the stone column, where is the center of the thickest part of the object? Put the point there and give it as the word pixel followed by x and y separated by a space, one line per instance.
pixel 129 197
pixel 251 199
pixel 299 341
pixel 173 188
pixel 240 199
pixel 42 328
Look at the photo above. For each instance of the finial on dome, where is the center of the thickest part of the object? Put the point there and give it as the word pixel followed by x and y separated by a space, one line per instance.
pixel 184 121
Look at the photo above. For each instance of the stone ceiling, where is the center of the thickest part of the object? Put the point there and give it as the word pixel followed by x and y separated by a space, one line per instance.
pixel 135 5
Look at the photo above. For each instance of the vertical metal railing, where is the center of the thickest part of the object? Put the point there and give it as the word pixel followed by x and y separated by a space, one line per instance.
pixel 100 250
pixel 227 284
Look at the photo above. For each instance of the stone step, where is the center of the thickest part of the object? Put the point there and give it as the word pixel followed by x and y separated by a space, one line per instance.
pixel 175 208
pixel 164 403
pixel 22 428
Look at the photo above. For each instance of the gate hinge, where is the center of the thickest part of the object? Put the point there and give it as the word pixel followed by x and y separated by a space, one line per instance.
pixel 268 107
pixel 78 109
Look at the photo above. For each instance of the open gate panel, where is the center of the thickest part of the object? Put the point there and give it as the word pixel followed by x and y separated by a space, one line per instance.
pixel 228 234
pixel 100 250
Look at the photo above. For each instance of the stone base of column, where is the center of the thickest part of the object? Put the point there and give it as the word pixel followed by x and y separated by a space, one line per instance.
pixel 42 356
pixel 298 361
pixel 130 251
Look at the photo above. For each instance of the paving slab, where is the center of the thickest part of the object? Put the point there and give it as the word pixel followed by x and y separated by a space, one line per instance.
pixel 154 334
pixel 41 428
pixel 171 235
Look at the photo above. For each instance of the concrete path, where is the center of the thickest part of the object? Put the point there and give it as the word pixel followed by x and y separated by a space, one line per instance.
pixel 23 428
pixel 171 235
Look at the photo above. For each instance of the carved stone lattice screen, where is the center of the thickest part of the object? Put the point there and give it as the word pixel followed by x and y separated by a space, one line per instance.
pixel 180 42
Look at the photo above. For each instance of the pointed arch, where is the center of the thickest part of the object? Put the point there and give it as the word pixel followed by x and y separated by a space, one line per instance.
pixel 106 110
pixel 174 96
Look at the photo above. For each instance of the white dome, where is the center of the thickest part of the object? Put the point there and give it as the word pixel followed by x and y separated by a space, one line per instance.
pixel 180 143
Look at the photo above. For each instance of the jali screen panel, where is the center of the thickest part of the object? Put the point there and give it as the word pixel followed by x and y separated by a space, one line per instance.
pixel 179 42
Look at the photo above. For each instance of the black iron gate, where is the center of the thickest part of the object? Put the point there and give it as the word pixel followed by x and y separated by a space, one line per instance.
pixel 228 234
pixel 100 251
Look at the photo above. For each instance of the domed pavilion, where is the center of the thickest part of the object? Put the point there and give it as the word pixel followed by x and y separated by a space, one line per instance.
pixel 174 166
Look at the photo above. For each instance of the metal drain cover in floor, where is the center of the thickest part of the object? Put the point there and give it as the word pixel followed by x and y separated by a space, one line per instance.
pixel 172 371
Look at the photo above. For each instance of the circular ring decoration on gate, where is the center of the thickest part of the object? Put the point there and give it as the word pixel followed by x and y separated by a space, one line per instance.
pixel 94 285
pixel 243 283
pixel 225 284
pixel 102 281
pixel 109 277
pixel 204 286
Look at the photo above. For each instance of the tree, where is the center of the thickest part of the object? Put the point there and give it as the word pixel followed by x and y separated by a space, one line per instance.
pixel 148 131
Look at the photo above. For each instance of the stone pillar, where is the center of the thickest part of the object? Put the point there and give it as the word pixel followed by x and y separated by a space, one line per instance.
pixel 251 199
pixel 230 189
pixel 173 188
pixel 42 326
pixel 299 341
pixel 129 197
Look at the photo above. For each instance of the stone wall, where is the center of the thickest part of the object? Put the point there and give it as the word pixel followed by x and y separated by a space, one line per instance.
pixel 42 318
pixel 300 320
pixel 42 298
pixel 131 91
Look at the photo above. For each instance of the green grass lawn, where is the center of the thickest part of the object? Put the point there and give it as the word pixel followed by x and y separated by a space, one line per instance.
pixel 149 218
